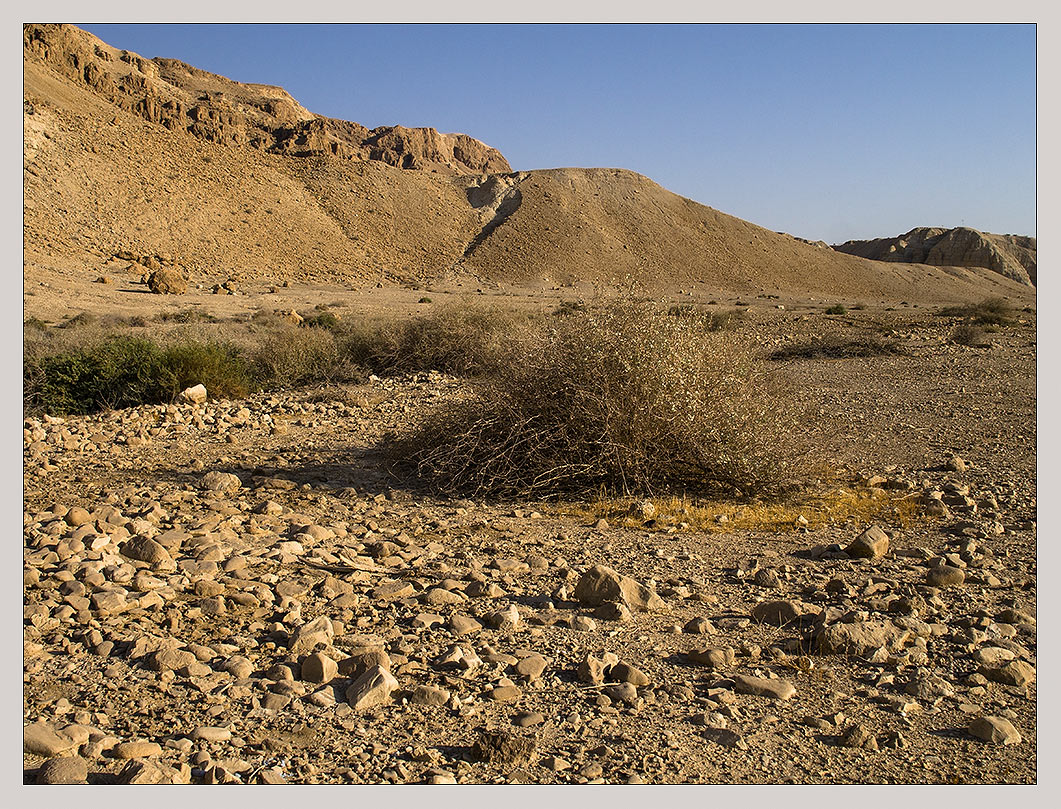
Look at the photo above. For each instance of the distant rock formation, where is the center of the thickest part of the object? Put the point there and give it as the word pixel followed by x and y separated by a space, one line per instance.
pixel 1011 256
pixel 256 116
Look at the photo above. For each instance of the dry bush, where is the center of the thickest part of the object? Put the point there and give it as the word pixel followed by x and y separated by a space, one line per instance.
pixel 625 397
pixel 988 312
pixel 967 334
pixel 464 338
pixel 288 356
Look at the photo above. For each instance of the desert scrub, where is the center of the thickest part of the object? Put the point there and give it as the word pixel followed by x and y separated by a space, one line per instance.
pixel 464 338
pixel 626 398
pixel 288 356
pixel 836 309
pixel 988 312
pixel 124 371
pixel 967 334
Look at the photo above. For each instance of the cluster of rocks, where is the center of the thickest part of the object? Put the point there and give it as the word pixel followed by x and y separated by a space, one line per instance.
pixel 260 627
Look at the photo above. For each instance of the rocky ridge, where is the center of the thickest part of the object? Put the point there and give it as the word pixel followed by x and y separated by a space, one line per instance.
pixel 1011 256
pixel 255 116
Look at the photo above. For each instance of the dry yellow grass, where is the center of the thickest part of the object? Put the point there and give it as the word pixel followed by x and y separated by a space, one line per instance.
pixel 853 505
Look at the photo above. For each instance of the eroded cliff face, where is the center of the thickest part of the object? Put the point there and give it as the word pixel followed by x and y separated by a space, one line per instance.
pixel 255 116
pixel 1011 256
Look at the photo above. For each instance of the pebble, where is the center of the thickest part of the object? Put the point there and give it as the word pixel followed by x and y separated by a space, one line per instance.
pixel 763 687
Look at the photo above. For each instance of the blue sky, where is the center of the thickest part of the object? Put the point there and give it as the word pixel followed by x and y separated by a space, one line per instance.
pixel 824 131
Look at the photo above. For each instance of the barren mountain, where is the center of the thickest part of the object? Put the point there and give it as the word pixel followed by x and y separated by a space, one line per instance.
pixel 1011 256
pixel 155 159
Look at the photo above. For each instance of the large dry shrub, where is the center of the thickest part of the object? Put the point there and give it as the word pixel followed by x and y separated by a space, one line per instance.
pixel 625 398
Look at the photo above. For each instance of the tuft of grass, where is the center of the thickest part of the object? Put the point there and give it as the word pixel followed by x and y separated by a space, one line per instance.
pixel 625 397
pixel 836 309
pixel 835 347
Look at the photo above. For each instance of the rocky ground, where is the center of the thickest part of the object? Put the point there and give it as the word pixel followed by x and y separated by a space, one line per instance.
pixel 236 592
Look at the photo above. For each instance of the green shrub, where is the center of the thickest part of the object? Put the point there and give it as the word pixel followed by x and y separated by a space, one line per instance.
pixel 836 309
pixel 323 320
pixel 626 397
pixel 218 366
pixel 122 371
pixel 424 300
pixel 118 372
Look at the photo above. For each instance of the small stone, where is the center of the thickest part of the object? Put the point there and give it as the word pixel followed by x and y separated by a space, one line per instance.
pixel 955 463
pixel 221 482
pixel 777 613
pixel 621 692
pixel 505 693
pixel 372 688
pixel 503 619
pixel 77 516
pixel 437 597
pixel 870 544
pixel 495 747
pixel 429 695
pixel 859 738
pixel 1016 672
pixel 131 750
pixel 167 281
pixel 319 668
pixel 207 733
pixel 762 687
pixel 724 737
pixel 945 576
pixel 531 667
pixel 526 720
pixel 361 661
pixel 614 611
pixel 583 623
pixel 41 740
pixel 63 770
pixel 196 394
pixel 699 626
pixel 713 658
pixel 995 730
pixel 600 584
pixel 463 625
pixel 311 634
pixel 592 670
pixel 625 673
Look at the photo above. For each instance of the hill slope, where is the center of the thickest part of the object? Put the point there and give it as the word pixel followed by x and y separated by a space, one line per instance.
pixel 1011 256
pixel 217 189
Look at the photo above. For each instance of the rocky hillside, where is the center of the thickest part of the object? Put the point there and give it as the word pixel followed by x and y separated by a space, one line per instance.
pixel 184 99
pixel 161 161
pixel 1011 256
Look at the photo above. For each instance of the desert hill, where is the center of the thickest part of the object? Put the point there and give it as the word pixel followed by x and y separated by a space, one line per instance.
pixel 1012 256
pixel 153 158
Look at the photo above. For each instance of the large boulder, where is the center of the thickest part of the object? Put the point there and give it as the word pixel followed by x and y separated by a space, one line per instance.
pixel 167 281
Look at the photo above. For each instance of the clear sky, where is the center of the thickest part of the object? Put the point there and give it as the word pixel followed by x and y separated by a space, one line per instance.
pixel 827 132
